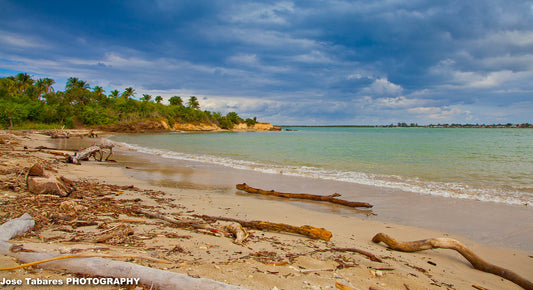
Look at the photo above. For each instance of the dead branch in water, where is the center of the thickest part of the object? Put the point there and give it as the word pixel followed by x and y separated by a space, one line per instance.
pixel 330 198
pixel 308 231
pixel 452 244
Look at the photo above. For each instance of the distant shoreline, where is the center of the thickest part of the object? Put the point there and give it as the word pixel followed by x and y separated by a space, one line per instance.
pixel 483 126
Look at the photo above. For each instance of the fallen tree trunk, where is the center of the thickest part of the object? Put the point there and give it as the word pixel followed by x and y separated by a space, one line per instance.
pixel 308 231
pixel 452 244
pixel 101 267
pixel 331 198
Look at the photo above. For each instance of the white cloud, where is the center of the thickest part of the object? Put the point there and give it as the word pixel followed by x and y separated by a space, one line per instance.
pixel 242 58
pixel 441 113
pixel 397 102
pixel 382 86
pixel 21 41
pixel 314 56
pixel 263 13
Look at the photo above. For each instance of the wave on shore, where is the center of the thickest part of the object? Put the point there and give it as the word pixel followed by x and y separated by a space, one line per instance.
pixel 445 189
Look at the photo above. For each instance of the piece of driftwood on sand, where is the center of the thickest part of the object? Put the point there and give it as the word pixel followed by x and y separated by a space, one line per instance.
pixel 446 243
pixel 306 230
pixel 330 198
pixel 101 267
pixel 91 151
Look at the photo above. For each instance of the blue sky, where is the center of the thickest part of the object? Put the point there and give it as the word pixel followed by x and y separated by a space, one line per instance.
pixel 290 62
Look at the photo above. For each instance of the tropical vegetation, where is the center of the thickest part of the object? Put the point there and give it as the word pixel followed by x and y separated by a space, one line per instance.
pixel 26 102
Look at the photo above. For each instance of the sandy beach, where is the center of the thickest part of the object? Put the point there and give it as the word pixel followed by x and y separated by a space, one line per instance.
pixel 267 259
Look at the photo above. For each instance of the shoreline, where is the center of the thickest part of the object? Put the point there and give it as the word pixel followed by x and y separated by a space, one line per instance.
pixel 483 221
pixel 205 191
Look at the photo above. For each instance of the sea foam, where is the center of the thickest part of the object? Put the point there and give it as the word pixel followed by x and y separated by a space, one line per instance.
pixel 444 189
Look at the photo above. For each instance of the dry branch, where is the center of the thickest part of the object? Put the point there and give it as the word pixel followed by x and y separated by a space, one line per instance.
pixel 308 231
pixel 452 244
pixel 330 198
pixel 371 256
pixel 179 223
pixel 150 277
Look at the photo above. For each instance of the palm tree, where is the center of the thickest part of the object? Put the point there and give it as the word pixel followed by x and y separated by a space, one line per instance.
pixel 98 92
pixel 146 98
pixel 114 94
pixel 128 92
pixel 193 103
pixel 45 85
pixel 73 83
pixel 23 81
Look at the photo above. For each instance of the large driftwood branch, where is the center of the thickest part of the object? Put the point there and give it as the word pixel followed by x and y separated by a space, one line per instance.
pixel 151 277
pixel 330 198
pixel 308 231
pixel 91 151
pixel 452 244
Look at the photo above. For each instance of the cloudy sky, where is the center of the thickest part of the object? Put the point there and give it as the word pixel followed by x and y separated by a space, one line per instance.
pixel 290 62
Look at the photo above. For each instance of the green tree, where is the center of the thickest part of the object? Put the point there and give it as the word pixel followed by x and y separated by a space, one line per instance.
pixel 193 103
pixel 176 101
pixel 99 95
pixel 158 99
pixel 128 93
pixel 114 94
pixel 146 98
pixel 75 83
pixel 44 86
pixel 234 118
pixel 22 82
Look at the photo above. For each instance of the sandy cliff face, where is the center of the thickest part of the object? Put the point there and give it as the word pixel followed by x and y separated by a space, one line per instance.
pixel 201 127
pixel 161 126
pixel 256 127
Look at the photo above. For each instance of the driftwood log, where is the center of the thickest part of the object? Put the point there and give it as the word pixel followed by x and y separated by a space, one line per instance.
pixel 101 267
pixel 330 198
pixel 41 182
pixel 91 151
pixel 445 243
pixel 308 231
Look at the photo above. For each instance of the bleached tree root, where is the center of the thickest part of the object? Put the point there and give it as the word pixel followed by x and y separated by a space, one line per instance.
pixel 445 243
pixel 306 230
pixel 150 277
pixel 330 198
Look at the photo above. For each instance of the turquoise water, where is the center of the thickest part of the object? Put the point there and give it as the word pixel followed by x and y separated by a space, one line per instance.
pixel 484 164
